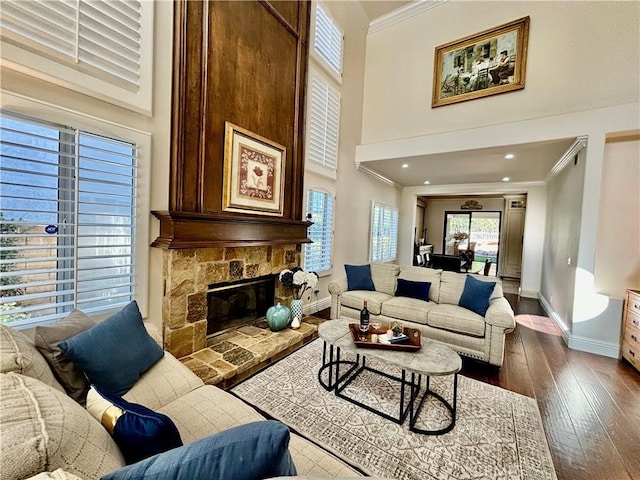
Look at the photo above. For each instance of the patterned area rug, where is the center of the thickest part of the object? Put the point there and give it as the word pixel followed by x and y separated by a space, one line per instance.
pixel 498 433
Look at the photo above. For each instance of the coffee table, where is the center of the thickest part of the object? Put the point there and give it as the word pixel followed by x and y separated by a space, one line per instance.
pixel 433 359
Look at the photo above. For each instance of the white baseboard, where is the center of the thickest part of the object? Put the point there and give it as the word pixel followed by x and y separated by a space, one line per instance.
pixel 575 342
pixel 317 305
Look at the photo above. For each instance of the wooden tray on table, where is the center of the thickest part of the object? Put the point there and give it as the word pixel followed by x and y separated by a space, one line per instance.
pixel 412 344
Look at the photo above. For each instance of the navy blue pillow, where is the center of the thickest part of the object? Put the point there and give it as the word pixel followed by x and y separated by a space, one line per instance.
pixel 359 277
pixel 411 289
pixel 476 295
pixel 140 432
pixel 114 353
pixel 249 452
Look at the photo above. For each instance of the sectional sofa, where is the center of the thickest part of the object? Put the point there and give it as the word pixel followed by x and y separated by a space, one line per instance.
pixel 439 316
pixel 48 435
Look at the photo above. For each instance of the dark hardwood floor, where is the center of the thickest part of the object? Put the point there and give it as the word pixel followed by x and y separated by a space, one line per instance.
pixel 589 404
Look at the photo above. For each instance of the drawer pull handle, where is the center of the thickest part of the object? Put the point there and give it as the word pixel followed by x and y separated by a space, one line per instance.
pixel 635 322
pixel 632 353
pixel 634 338
pixel 636 306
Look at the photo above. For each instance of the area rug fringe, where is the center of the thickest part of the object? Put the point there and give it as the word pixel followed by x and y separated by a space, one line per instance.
pixel 498 433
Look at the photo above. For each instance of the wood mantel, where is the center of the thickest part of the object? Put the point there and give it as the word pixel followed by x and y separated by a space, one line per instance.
pixel 197 230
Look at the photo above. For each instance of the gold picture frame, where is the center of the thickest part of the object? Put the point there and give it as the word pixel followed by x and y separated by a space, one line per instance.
pixel 253 173
pixel 487 63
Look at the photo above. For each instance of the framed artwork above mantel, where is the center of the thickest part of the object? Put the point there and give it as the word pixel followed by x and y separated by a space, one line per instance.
pixel 253 173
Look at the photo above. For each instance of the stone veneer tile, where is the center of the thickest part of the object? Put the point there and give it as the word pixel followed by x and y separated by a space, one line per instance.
pixel 234 253
pixel 238 356
pixel 251 331
pixel 290 257
pixel 225 369
pixel 256 255
pixel 196 306
pixel 236 269
pixel 209 273
pixel 199 335
pixel 207 373
pixel 277 256
pixel 244 341
pixel 204 255
pixel 179 341
pixel 252 271
pixel 265 349
pixel 269 253
pixel 207 355
pixel 223 347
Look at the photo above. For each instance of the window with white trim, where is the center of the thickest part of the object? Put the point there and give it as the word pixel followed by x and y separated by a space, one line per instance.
pixel 68 222
pixel 323 104
pixel 384 233
pixel 318 255
pixel 103 47
pixel 328 39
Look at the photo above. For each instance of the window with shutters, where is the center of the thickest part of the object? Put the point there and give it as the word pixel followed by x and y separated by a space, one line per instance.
pixel 68 199
pixel 323 98
pixel 317 255
pixel 98 47
pixel 384 233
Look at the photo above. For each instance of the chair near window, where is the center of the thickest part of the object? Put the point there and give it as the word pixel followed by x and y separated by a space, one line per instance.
pixel 487 266
pixel 483 78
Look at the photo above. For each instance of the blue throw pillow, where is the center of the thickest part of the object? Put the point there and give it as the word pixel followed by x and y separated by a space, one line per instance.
pixel 411 289
pixel 114 353
pixel 476 295
pixel 359 277
pixel 139 431
pixel 249 452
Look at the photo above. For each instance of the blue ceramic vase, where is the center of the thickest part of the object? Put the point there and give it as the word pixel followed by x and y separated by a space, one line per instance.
pixel 278 317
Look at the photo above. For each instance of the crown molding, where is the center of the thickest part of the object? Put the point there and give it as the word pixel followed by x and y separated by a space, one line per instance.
pixel 377 176
pixel 402 14
pixel 568 156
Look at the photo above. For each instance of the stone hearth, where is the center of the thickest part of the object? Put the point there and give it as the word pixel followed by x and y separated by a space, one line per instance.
pixel 188 273
pixel 233 356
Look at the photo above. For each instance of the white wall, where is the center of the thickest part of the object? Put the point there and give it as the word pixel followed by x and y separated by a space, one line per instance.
pixel 577 51
pixel 354 190
pixel 581 56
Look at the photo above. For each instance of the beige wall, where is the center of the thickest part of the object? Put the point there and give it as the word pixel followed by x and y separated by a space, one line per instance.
pixel 618 243
pixel 582 55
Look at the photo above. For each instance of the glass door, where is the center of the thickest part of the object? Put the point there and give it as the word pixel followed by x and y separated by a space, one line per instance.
pixel 476 231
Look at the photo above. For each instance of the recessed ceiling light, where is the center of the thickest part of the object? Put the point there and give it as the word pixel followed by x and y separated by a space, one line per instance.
pixel 505 179
pixel 427 182
pixel 509 156
pixel 405 165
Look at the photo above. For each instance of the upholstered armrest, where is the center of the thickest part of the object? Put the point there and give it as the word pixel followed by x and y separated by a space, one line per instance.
pixel 338 287
pixel 500 314
pixel 153 331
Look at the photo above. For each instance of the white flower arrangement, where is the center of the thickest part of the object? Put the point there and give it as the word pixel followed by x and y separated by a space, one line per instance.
pixel 299 281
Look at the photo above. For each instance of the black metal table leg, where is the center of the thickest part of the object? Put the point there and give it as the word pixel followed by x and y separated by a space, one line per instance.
pixel 413 418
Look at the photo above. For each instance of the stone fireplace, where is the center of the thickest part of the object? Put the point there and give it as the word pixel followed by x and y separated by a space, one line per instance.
pixel 189 275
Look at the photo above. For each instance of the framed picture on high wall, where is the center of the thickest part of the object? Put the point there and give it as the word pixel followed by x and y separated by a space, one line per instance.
pixel 253 173
pixel 487 63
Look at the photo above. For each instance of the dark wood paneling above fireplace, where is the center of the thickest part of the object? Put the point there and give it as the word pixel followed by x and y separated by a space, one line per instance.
pixel 244 63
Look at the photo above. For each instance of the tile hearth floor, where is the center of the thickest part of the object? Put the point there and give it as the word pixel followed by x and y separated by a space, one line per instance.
pixel 237 354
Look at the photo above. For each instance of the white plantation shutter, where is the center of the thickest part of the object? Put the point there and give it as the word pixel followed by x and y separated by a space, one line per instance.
pixel 317 255
pixel 68 203
pixel 103 37
pixel 384 233
pixel 324 123
pixel 328 39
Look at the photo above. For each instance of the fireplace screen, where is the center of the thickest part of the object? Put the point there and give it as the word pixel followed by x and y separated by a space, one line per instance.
pixel 234 304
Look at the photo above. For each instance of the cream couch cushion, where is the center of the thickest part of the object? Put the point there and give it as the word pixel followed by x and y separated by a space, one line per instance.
pixel 405 308
pixel 19 354
pixel 384 277
pixel 355 299
pixel 44 429
pixel 456 319
pixel 167 380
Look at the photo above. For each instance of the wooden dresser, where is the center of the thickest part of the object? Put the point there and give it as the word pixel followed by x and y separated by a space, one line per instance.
pixel 631 328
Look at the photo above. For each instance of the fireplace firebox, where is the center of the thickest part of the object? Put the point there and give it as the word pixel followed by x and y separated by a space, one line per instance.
pixel 234 304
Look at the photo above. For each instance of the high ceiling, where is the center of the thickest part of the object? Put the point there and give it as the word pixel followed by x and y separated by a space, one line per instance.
pixel 531 163
pixel 375 8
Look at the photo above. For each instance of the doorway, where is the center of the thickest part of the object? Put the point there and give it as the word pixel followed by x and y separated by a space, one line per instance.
pixel 477 232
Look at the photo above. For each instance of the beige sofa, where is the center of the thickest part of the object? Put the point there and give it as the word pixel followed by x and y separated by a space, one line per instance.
pixel 440 318
pixel 46 434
